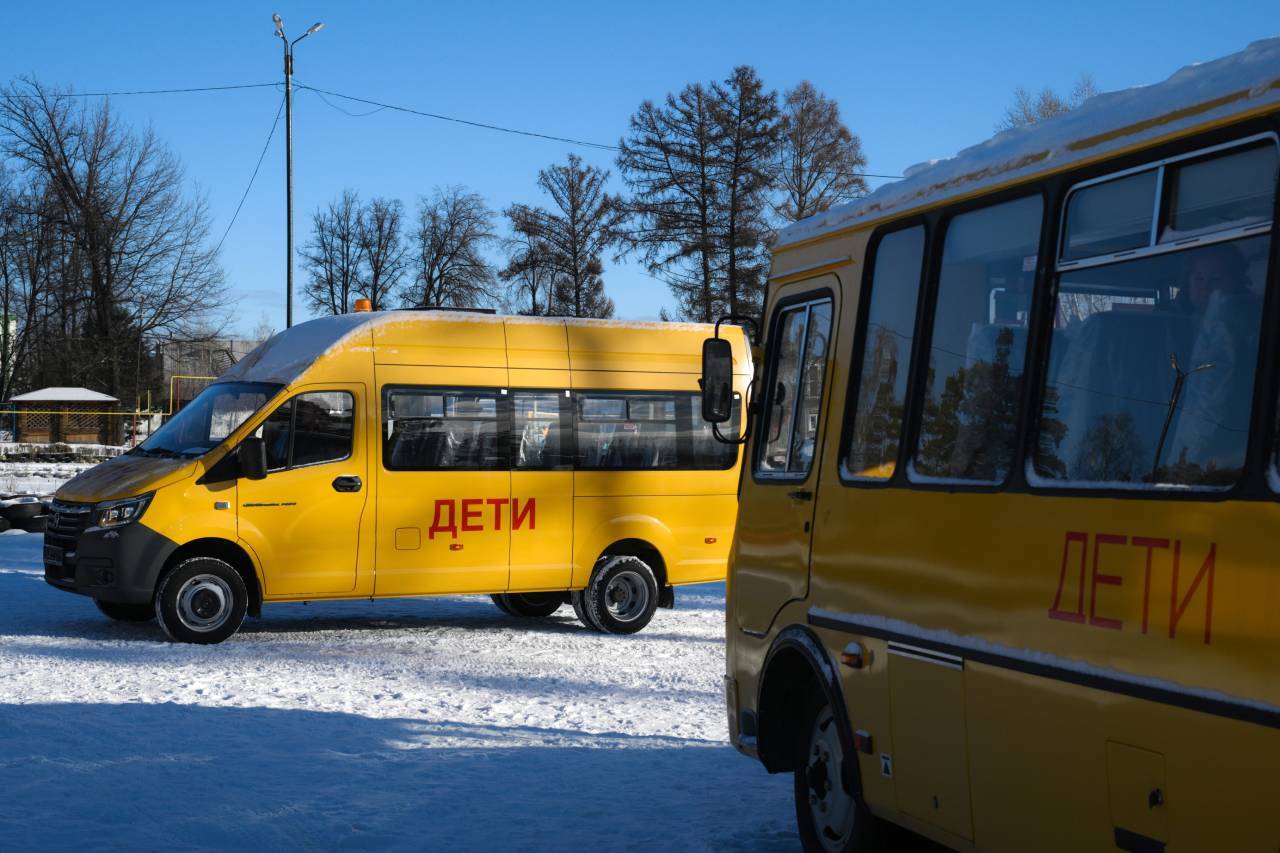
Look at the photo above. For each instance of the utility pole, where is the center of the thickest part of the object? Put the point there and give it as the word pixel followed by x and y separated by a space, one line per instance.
pixel 288 157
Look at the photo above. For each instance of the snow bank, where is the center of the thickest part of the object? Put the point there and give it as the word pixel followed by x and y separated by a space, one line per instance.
pixel 410 724
pixel 1198 94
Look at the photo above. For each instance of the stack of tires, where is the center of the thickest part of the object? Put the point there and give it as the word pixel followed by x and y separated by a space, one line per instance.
pixel 23 512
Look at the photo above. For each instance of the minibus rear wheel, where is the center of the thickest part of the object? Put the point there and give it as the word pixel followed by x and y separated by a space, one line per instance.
pixel 830 819
pixel 126 612
pixel 622 594
pixel 535 605
pixel 203 600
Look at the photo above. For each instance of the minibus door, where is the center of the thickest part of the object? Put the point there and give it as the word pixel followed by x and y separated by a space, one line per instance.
pixel 772 565
pixel 303 520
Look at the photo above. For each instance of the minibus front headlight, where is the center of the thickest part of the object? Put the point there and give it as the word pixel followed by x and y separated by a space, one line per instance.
pixel 122 512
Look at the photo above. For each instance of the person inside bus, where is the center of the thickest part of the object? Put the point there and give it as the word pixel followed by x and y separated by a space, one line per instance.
pixel 1213 415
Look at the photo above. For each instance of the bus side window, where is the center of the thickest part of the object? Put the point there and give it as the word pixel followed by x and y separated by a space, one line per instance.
pixel 886 355
pixel 968 428
pixel 432 429
pixel 538 443
pixel 795 398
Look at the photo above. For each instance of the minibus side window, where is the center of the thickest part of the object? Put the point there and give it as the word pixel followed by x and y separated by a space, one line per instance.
pixel 429 429
pixel 309 429
pixel 537 440
pixel 886 355
pixel 627 431
pixel 977 350
pixel 709 453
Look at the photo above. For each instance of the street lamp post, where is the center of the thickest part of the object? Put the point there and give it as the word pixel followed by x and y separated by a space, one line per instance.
pixel 288 156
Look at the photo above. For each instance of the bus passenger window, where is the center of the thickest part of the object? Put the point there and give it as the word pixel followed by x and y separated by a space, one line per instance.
pixel 968 429
pixel 627 431
pixel 886 355
pixel 1151 369
pixel 709 453
pixel 438 430
pixel 537 430
pixel 795 399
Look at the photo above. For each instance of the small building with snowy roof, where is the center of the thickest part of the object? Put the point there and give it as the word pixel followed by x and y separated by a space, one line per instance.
pixel 70 415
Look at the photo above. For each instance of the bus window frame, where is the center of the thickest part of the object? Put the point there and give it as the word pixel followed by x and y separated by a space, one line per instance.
pixel 504 418
pixel 815 295
pixel 568 443
pixel 686 402
pixel 859 355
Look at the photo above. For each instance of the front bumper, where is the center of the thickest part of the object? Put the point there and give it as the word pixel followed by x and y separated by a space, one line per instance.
pixel 119 564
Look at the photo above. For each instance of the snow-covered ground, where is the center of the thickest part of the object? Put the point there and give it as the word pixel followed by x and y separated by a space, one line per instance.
pixel 37 478
pixel 423 724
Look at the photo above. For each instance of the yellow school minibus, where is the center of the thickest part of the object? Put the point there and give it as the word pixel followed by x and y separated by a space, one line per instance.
pixel 1006 569
pixel 378 454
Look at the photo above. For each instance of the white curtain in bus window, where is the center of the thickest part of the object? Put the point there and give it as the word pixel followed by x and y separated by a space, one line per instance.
pixel 432 430
pixel 1151 369
pixel 886 355
pixel 977 350
pixel 537 429
pixel 1113 216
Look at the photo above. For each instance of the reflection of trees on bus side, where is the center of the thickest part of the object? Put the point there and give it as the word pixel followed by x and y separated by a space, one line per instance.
pixel 879 422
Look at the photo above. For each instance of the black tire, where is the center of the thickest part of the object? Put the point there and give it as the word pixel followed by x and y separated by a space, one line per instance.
pixel 830 819
pixel 36 524
pixel 622 594
pixel 501 600
pixel 579 602
pixel 533 605
pixel 126 612
pixel 202 600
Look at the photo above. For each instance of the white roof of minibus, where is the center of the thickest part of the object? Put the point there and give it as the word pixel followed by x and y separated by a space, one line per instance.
pixel 1198 94
pixel 282 359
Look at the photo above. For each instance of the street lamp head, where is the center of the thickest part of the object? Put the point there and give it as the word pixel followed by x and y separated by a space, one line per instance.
pixel 279 22
pixel 315 28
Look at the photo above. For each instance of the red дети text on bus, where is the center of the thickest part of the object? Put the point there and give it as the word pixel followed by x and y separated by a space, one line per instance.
pixel 473 513
pixel 1158 553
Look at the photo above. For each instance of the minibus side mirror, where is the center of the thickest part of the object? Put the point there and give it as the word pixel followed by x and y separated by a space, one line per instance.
pixel 717 380
pixel 253 458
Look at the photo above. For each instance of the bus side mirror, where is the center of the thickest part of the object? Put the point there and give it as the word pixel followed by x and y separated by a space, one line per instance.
pixel 253 458
pixel 717 380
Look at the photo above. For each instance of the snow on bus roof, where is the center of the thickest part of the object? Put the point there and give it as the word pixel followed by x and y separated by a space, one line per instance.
pixel 282 358
pixel 1198 94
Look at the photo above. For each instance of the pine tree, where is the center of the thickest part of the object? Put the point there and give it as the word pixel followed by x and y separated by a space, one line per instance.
pixel 819 160
pixel 577 232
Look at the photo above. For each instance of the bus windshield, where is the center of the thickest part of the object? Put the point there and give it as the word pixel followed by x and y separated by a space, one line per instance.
pixel 207 420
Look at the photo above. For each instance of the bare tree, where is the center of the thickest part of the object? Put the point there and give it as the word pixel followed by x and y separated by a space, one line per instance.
pixel 577 232
pixel 383 254
pixel 454 226
pixel 529 271
pixel 1028 109
pixel 333 256
pixel 819 160
pixel 125 253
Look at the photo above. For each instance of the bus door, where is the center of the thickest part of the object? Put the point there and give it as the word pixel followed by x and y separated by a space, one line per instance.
pixel 777 531
pixel 444 491
pixel 541 488
pixel 303 519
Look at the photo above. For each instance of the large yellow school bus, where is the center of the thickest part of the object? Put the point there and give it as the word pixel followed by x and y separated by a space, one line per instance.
pixel 377 454
pixel 1005 571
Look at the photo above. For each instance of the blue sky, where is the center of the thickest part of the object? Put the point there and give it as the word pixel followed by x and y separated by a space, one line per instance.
pixel 914 81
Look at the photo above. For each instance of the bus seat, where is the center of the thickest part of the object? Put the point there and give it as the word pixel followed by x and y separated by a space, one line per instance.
pixel 985 340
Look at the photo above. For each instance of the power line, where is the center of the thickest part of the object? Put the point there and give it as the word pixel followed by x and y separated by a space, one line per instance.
pixel 252 177
pixel 142 92
pixel 439 117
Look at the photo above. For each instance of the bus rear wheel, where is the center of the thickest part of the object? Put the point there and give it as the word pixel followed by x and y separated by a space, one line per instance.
pixel 203 600
pixel 534 605
pixel 621 596
pixel 830 819
pixel 126 612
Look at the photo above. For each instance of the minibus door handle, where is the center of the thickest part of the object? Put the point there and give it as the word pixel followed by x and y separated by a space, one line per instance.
pixel 347 483
pixel 801 495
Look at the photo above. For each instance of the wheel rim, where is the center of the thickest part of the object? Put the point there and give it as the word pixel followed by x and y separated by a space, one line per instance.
pixel 832 809
pixel 204 603
pixel 626 596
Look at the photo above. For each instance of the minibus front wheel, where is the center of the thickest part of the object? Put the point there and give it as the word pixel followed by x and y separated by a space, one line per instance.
pixel 203 600
pixel 126 612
